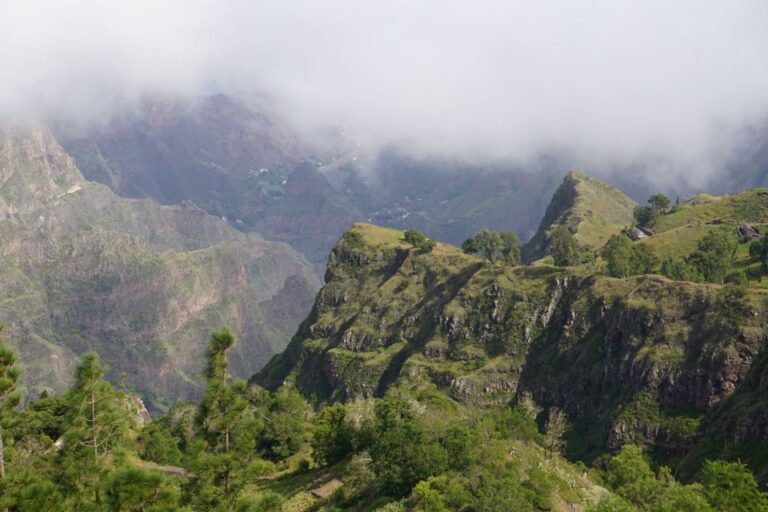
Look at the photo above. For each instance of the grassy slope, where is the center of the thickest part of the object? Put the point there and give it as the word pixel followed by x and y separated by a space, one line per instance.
pixel 678 232
pixel 591 209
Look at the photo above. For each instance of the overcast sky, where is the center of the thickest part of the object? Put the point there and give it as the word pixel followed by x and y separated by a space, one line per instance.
pixel 611 80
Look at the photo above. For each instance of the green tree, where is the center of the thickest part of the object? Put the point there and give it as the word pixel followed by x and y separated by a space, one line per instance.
pixel 40 496
pixel 563 247
pixel 647 215
pixel 331 438
pixel 136 490
pixel 221 407
pixel 556 428
pixel 490 244
pixel 159 444
pixel 731 486
pixel 494 247
pixel 96 424
pixel 682 498
pixel 624 259
pixel 644 215
pixel 713 257
pixel 413 236
pixel 98 416
pixel 418 240
pixel 228 428
pixel 737 277
pixel 619 255
pixel 510 248
pixel 630 476
pixel 471 246
pixel 458 442
pixel 643 259
pixel 758 250
pixel 680 270
pixel 9 375
pixel 498 489
pixel 612 503
pixel 284 429
pixel 401 454
pixel 659 202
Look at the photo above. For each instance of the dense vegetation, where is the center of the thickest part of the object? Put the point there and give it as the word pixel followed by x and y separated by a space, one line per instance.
pixel 243 449
pixel 495 247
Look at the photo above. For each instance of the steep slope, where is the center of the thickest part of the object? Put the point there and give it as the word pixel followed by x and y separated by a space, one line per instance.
pixel 592 211
pixel 141 284
pixel 642 359
pixel 231 157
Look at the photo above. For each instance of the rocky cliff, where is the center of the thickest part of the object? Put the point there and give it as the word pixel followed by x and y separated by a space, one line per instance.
pixel 139 283
pixel 643 359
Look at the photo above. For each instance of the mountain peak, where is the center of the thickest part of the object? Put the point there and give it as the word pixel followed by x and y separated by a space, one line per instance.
pixel 591 209
pixel 574 175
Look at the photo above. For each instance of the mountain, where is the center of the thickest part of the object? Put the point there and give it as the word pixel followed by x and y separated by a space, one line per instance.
pixel 590 209
pixel 239 159
pixel 230 156
pixel 449 199
pixel 437 380
pixel 139 283
pixel 676 366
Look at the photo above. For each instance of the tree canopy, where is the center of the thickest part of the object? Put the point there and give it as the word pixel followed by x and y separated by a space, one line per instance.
pixel 624 258
pixel 563 247
pixel 495 247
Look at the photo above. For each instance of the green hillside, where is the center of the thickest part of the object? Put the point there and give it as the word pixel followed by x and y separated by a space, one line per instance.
pixel 623 357
pixel 590 209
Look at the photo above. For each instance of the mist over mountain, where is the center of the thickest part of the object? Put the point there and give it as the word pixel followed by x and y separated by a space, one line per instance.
pixel 664 88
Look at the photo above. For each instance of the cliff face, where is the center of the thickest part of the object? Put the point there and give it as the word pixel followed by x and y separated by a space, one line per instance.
pixel 139 283
pixel 643 359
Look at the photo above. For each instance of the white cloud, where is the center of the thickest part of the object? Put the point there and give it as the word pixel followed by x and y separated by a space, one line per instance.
pixel 606 80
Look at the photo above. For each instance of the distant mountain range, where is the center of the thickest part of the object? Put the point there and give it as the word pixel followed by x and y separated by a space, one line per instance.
pixel 136 236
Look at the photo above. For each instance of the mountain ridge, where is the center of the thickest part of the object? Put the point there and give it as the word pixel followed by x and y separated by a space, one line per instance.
pixel 590 209
pixel 86 270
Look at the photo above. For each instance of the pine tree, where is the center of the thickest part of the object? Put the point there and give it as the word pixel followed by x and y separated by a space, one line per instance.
pixel 98 416
pixel 97 422
pixel 136 490
pixel 229 428
pixel 9 375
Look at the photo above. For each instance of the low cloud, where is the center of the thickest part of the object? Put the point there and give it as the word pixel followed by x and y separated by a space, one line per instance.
pixel 670 83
